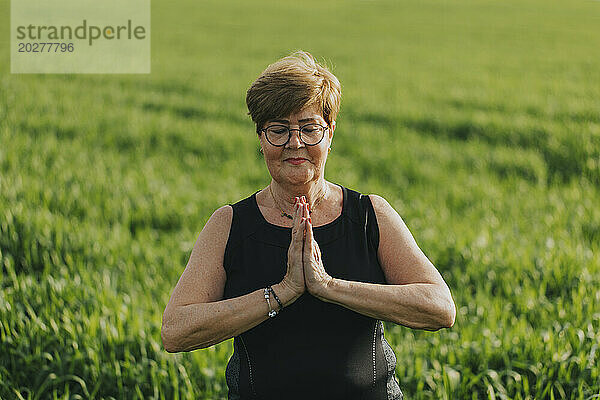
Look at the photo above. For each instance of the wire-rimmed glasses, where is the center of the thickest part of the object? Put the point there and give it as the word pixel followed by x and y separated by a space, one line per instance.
pixel 280 135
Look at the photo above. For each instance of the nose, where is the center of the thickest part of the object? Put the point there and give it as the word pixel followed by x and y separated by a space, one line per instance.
pixel 294 141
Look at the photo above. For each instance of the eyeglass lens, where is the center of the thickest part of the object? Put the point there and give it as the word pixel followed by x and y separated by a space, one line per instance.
pixel 279 135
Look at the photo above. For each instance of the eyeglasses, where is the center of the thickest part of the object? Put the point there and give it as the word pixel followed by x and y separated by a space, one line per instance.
pixel 309 134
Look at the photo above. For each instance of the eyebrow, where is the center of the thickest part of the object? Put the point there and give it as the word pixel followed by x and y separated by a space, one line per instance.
pixel 285 121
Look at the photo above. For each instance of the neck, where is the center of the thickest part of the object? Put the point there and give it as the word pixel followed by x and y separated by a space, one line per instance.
pixel 313 191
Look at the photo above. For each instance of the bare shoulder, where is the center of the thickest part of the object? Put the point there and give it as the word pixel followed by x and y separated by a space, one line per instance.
pixel 389 220
pixel 220 220
pixel 214 235
pixel 385 213
pixel 203 279
pixel 381 205
pixel 401 258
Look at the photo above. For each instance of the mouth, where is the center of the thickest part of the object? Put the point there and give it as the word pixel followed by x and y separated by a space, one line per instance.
pixel 296 160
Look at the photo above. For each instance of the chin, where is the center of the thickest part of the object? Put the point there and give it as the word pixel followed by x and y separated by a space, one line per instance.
pixel 299 178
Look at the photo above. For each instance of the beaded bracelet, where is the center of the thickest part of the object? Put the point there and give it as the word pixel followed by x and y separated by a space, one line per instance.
pixel 276 297
pixel 272 313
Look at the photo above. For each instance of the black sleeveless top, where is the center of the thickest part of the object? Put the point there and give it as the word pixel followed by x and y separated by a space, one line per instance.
pixel 311 349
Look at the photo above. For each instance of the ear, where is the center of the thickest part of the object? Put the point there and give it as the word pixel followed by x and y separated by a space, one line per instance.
pixel 260 140
pixel 331 129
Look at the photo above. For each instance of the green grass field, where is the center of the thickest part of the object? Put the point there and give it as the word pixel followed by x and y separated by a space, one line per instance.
pixel 479 121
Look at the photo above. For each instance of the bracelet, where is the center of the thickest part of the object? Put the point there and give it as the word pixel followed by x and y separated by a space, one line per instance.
pixel 276 297
pixel 272 313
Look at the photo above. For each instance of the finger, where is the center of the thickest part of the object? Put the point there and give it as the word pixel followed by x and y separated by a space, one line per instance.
pixel 317 251
pixel 308 247
pixel 295 218
pixel 304 220
pixel 298 213
pixel 316 245
pixel 306 216
pixel 296 236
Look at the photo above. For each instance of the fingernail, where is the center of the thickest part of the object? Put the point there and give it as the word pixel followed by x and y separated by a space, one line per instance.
pixel 304 199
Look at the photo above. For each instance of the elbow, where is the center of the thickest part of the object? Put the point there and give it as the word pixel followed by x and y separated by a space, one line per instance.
pixel 168 333
pixel 448 313
pixel 443 316
pixel 176 340
pixel 175 344
pixel 168 341
pixel 451 317
pixel 446 310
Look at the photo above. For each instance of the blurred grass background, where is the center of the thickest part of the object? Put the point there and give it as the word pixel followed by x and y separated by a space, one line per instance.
pixel 478 120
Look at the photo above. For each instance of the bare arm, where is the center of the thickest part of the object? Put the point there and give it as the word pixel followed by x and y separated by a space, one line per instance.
pixel 196 315
pixel 416 295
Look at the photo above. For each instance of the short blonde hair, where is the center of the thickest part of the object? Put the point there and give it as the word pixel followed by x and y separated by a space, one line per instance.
pixel 291 84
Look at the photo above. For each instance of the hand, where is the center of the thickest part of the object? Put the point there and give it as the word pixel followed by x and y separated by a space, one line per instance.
pixel 294 277
pixel 316 278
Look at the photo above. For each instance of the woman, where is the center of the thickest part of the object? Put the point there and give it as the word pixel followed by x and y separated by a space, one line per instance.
pixel 302 273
